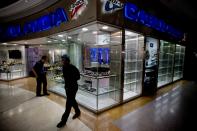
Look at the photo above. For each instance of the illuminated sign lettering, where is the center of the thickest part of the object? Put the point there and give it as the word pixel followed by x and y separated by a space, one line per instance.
pixel 41 24
pixel 77 8
pixel 110 6
pixel 132 12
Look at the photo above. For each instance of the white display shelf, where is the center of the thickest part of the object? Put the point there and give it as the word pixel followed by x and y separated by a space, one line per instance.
pixel 126 83
pixel 178 71
pixel 160 75
pixel 178 65
pixel 97 77
pixel 87 99
pixel 180 53
pixel 165 67
pixel 165 75
pixel 179 57
pixel 133 60
pixel 135 71
pixel 129 95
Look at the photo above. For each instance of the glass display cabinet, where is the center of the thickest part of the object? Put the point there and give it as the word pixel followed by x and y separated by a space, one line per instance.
pixel 179 62
pixel 12 62
pixel 134 46
pixel 166 63
pixel 12 71
pixel 95 50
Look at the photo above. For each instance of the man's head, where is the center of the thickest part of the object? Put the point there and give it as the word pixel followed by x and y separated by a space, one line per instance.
pixel 65 59
pixel 44 58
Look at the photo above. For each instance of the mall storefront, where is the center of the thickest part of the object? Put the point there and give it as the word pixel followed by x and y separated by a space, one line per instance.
pixel 118 58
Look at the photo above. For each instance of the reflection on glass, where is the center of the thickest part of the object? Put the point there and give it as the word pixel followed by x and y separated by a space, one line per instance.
pixel 166 62
pixel 134 44
pixel 12 62
pixel 96 52
pixel 179 62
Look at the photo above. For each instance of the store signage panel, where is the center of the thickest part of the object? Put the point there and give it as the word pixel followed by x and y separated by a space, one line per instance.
pixel 41 24
pixel 132 12
pixel 151 65
pixel 110 6
pixel 77 8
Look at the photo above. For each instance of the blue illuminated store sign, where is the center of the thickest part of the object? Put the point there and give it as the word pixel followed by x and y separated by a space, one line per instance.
pixel 132 12
pixel 40 24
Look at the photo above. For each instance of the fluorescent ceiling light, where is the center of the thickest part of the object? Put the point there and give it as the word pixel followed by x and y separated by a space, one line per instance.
pixel 118 36
pixel 55 40
pixel 15 44
pixel 69 37
pixel 84 29
pixel 49 41
pixel 94 32
pixel 25 42
pixel 105 27
pixel 130 33
pixel 79 39
pixel 60 35
pixel 131 39
pixel 63 40
pixel 4 43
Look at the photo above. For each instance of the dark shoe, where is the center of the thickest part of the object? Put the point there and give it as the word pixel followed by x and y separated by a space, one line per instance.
pixel 39 95
pixel 61 124
pixel 46 94
pixel 76 115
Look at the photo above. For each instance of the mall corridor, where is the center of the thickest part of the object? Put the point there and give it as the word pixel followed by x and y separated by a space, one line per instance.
pixel 171 109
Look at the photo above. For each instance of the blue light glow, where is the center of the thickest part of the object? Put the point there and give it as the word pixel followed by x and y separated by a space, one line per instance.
pixel 100 55
pixel 43 23
pixel 133 13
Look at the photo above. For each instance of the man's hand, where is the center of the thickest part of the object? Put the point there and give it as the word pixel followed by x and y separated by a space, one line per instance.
pixel 35 73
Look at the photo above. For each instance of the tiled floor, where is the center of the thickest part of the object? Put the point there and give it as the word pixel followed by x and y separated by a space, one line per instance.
pixel 20 110
pixel 150 113
pixel 173 111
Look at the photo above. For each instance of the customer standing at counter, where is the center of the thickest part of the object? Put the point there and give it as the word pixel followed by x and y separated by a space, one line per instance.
pixel 40 75
pixel 71 76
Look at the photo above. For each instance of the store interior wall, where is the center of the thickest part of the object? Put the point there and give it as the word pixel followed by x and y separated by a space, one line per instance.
pixel 21 62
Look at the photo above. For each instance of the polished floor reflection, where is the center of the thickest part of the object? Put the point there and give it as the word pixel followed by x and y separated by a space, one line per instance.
pixel 20 110
pixel 171 109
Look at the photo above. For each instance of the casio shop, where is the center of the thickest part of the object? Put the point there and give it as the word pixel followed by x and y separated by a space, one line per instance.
pixel 108 44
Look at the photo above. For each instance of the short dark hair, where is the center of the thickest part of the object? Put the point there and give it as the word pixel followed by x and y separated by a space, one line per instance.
pixel 66 58
pixel 44 57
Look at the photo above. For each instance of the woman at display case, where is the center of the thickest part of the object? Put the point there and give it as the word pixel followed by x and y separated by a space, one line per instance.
pixel 40 75
pixel 71 76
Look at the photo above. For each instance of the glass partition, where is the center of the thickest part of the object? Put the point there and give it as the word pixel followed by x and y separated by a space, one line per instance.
pixel 179 62
pixel 166 63
pixel 96 51
pixel 12 62
pixel 134 46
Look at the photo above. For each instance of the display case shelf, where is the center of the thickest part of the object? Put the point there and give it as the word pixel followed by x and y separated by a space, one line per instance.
pixel 178 72
pixel 11 72
pixel 179 62
pixel 127 83
pixel 160 75
pixel 180 53
pixel 133 60
pixel 165 67
pixel 135 71
pixel 133 65
pixel 166 57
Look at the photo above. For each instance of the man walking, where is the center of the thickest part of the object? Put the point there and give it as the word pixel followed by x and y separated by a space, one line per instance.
pixel 40 75
pixel 71 76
